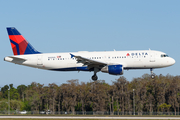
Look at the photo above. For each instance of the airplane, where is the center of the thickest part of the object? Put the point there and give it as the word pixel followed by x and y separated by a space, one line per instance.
pixel 112 62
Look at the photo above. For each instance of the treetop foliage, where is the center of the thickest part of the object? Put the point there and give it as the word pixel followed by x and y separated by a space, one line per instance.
pixel 151 95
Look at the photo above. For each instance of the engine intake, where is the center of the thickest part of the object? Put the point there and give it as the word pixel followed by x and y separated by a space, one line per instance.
pixel 113 69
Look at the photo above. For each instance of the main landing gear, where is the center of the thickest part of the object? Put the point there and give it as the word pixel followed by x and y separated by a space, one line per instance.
pixel 152 74
pixel 95 77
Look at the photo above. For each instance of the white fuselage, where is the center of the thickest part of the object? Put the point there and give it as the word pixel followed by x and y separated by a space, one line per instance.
pixel 142 59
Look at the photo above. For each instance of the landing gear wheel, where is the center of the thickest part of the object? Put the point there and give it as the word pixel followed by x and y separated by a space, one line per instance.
pixel 153 76
pixel 94 77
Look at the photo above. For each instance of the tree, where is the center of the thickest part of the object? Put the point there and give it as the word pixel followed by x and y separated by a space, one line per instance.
pixel 4 91
pixel 172 93
pixel 21 90
pixel 52 93
pixel 83 95
pixel 16 105
pixel 161 93
pixel 34 95
pixel 3 105
pixel 14 95
pixel 121 92
pixel 164 107
pixel 99 98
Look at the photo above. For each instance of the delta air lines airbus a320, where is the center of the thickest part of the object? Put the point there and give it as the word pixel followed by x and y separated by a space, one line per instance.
pixel 112 62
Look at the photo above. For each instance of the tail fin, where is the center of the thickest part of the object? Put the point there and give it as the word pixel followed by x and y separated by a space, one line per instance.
pixel 19 44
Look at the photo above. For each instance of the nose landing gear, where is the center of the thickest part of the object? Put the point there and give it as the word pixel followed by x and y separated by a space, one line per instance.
pixel 152 74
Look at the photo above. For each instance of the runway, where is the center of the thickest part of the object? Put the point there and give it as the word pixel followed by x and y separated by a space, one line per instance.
pixel 74 117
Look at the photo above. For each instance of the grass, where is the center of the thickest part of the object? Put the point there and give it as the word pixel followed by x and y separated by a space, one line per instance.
pixel 70 115
pixel 71 119
pixel 86 116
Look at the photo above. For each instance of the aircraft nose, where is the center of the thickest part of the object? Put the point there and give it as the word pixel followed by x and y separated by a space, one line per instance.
pixel 172 61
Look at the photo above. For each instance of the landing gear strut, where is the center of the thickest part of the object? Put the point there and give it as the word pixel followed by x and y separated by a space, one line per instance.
pixel 152 74
pixel 95 77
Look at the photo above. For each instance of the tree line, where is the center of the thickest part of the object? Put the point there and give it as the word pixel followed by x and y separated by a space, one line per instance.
pixel 161 94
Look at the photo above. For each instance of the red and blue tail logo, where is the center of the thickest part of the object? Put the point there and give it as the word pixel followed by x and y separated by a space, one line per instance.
pixel 19 44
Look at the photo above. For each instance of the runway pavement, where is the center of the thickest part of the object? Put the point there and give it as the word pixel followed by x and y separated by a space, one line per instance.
pixel 76 117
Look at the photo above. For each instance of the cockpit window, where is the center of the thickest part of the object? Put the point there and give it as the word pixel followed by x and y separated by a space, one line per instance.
pixel 164 55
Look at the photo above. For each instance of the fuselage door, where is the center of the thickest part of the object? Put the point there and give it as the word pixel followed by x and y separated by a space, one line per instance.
pixel 152 57
pixel 39 60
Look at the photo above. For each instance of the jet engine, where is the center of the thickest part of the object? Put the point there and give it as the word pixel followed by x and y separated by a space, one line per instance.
pixel 113 69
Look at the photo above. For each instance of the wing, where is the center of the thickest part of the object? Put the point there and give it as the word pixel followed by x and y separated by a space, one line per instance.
pixel 89 62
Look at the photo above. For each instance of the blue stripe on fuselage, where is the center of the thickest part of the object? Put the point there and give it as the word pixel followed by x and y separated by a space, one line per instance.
pixel 73 69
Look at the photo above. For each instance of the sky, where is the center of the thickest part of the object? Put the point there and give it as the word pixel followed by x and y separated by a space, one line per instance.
pixel 96 25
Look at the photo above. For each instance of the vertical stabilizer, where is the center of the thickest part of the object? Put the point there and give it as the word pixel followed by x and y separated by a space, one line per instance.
pixel 19 44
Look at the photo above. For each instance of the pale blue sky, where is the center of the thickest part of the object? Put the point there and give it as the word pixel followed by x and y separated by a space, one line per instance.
pixel 94 25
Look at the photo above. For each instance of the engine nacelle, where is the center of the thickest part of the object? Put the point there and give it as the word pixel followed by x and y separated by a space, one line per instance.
pixel 113 69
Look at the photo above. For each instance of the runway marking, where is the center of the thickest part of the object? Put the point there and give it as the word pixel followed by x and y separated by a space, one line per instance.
pixel 74 117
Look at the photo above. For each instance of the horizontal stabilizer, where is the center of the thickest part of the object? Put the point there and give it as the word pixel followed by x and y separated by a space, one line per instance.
pixel 18 58
pixel 14 58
